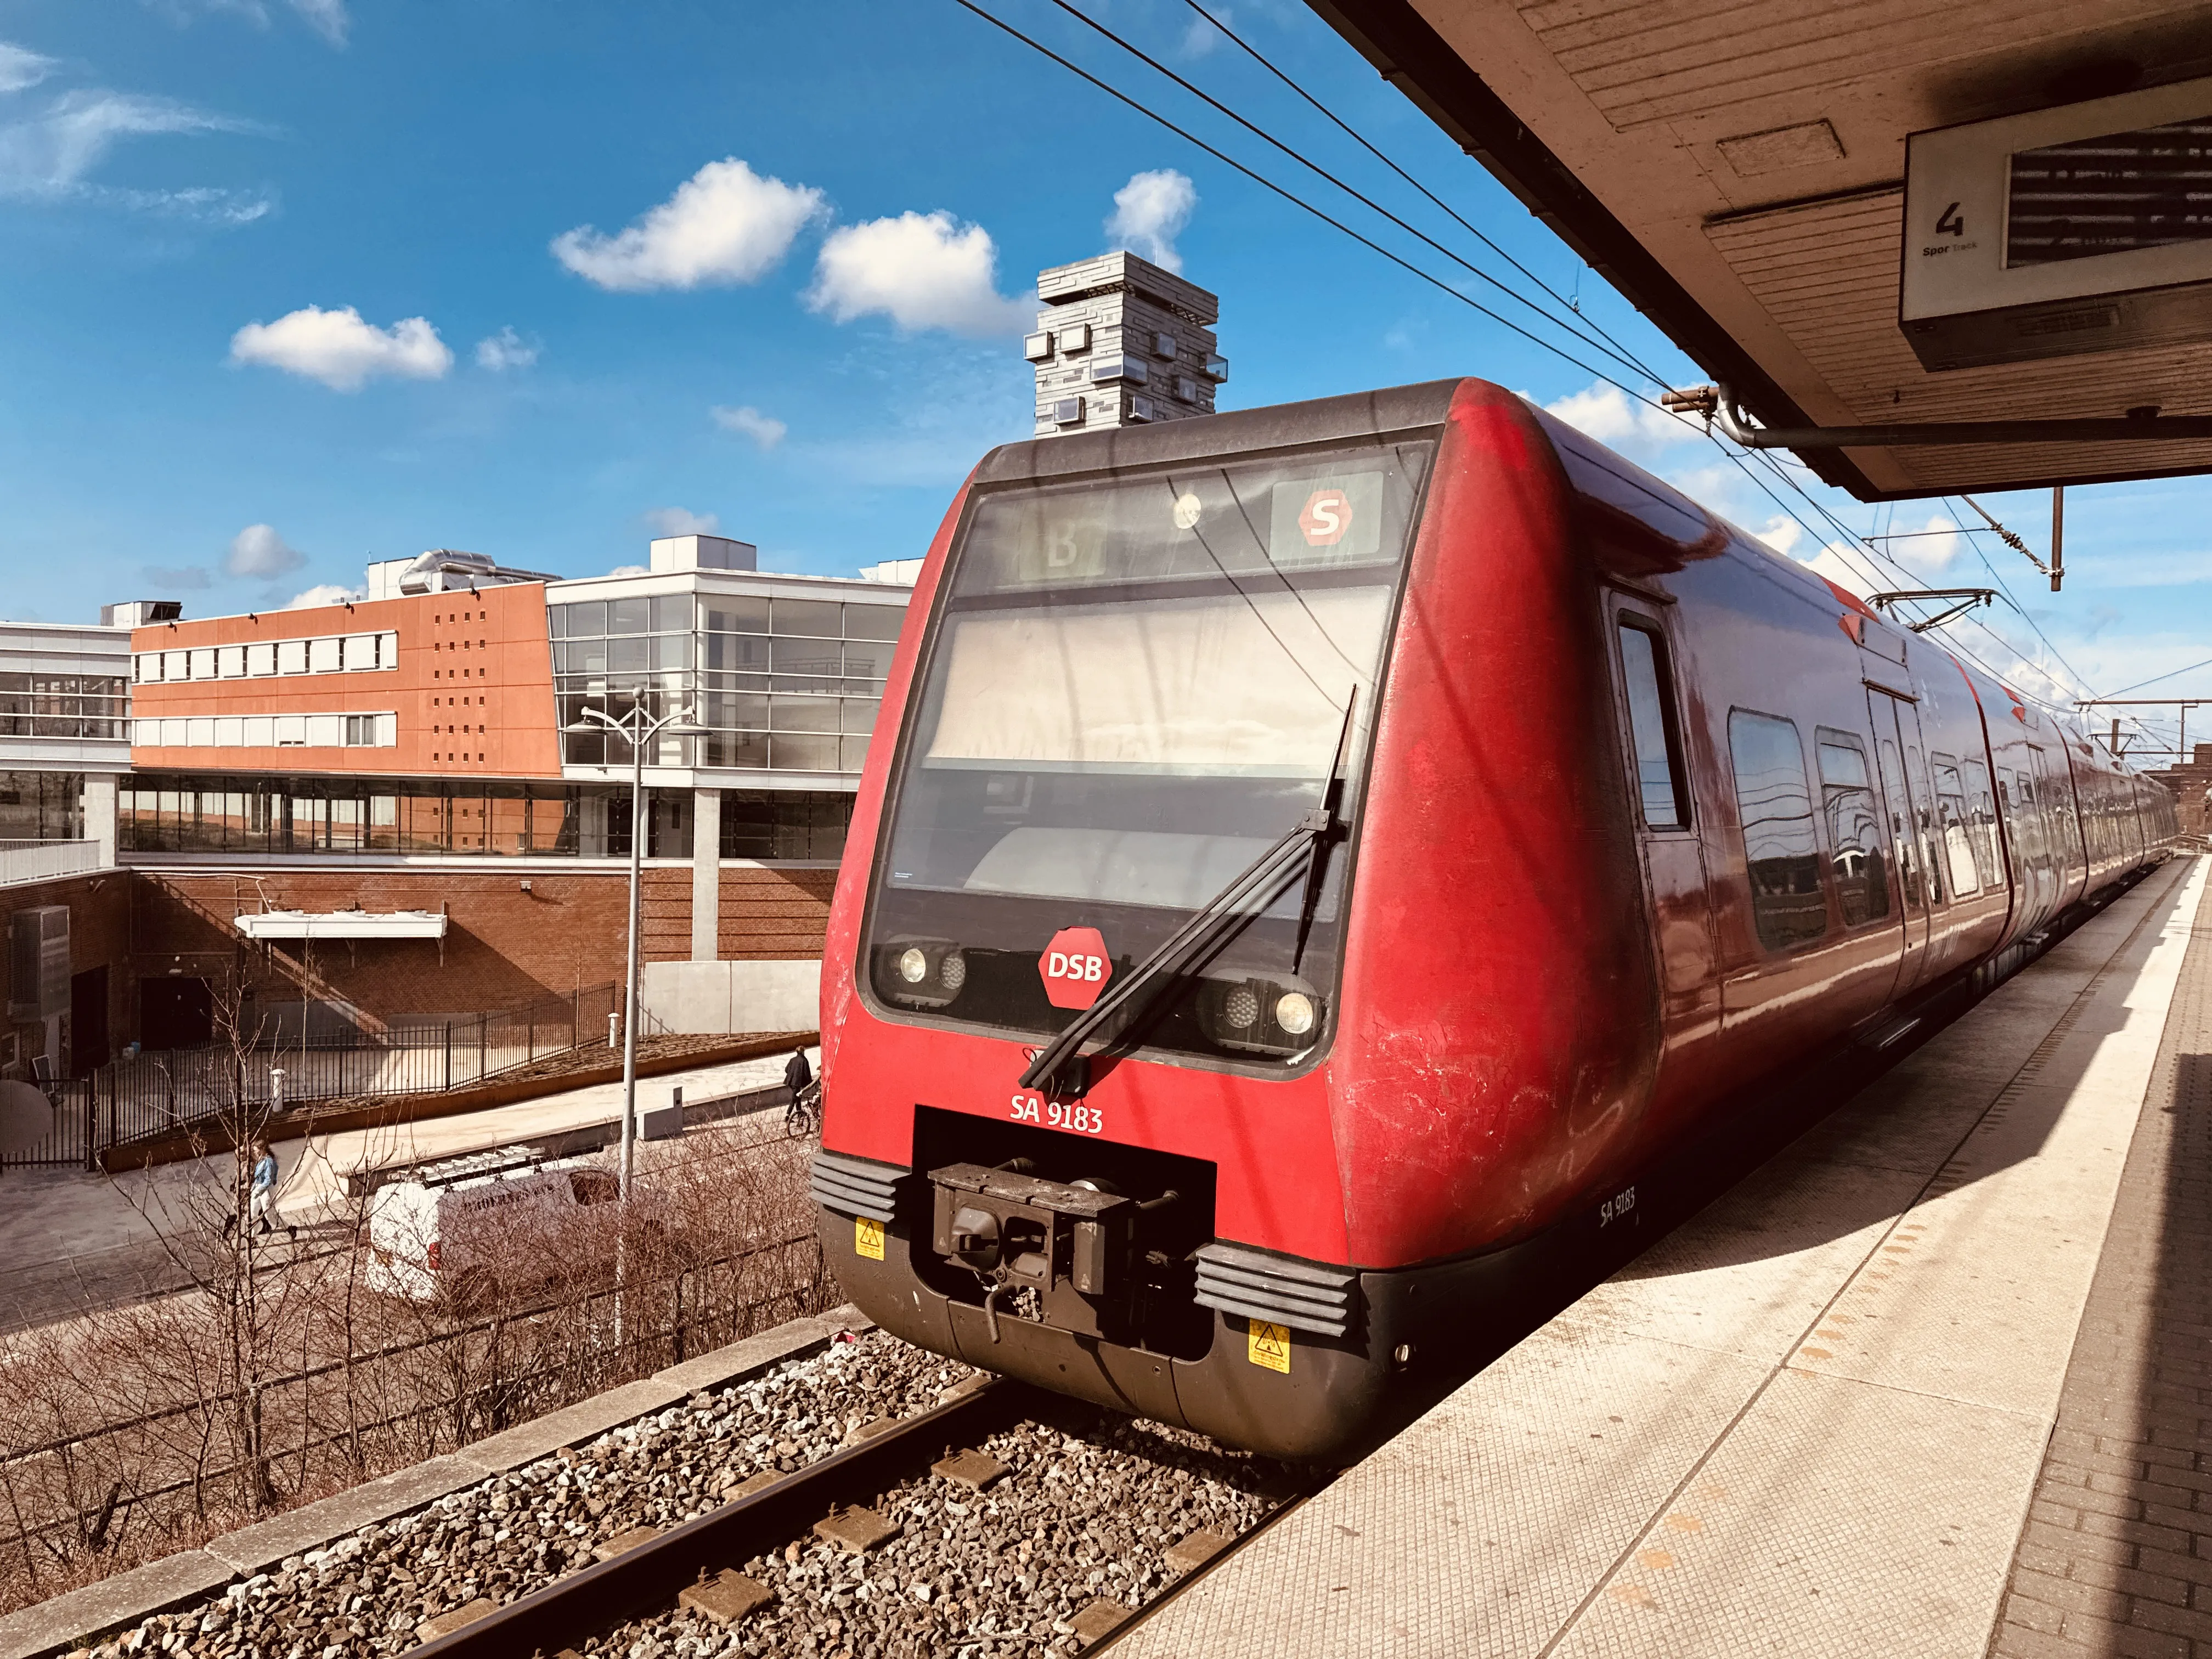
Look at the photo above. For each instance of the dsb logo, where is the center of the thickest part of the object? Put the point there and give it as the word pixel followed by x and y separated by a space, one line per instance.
pixel 1075 968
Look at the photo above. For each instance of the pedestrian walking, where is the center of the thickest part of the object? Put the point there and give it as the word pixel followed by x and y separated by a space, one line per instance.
pixel 797 1073
pixel 261 1213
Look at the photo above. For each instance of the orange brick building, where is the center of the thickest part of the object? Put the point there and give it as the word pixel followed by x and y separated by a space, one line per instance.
pixel 405 752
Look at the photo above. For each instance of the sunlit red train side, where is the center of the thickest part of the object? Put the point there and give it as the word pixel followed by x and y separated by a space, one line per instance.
pixel 1563 947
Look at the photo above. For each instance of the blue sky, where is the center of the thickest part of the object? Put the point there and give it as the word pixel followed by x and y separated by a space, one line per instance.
pixel 287 284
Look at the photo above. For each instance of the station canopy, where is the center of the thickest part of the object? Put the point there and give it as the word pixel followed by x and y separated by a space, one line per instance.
pixel 1740 172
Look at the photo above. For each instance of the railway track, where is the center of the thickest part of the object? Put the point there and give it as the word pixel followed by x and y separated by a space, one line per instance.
pixel 825 1559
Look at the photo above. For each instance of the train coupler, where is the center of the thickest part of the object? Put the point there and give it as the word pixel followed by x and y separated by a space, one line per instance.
pixel 1077 1248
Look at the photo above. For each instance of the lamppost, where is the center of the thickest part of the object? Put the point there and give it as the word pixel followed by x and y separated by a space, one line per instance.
pixel 639 729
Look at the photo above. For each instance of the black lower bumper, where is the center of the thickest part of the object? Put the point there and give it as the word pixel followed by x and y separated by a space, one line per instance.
pixel 1270 1387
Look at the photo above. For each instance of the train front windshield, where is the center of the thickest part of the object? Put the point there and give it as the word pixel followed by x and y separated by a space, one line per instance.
pixel 1133 688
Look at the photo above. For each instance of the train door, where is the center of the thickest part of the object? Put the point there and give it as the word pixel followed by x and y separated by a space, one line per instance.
pixel 2062 826
pixel 1672 854
pixel 1896 733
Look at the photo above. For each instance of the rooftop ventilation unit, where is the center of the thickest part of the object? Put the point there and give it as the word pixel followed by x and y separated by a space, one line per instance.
pixel 2083 228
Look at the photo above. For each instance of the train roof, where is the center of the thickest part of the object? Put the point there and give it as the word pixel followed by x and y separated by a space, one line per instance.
pixel 1604 478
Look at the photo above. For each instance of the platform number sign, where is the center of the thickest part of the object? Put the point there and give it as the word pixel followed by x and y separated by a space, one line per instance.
pixel 1267 1345
pixel 868 1238
pixel 1075 968
pixel 1948 223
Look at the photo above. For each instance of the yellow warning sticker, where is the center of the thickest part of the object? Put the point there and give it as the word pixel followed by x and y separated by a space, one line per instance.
pixel 1267 1345
pixel 868 1238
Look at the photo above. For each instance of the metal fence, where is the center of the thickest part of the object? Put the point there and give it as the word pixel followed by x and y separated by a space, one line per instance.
pixel 71 1139
pixel 148 1093
pixel 45 860
pixel 318 1438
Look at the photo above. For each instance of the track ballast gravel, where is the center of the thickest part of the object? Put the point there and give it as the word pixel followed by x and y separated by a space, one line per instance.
pixel 1089 1506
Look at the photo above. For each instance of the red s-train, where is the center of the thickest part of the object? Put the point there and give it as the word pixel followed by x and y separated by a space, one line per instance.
pixel 1314 858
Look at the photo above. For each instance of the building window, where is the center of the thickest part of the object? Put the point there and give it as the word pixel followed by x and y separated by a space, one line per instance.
pixel 783 684
pixel 62 705
pixel 41 806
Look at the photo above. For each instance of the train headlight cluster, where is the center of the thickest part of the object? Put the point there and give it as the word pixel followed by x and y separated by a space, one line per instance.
pixel 922 973
pixel 1258 1016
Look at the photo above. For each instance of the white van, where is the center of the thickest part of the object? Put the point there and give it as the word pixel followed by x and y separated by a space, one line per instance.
pixel 431 1241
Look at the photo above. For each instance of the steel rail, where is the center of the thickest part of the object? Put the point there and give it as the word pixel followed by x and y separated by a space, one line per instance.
pixel 649 1578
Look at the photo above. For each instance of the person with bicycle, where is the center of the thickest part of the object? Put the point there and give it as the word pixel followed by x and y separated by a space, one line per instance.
pixel 804 1111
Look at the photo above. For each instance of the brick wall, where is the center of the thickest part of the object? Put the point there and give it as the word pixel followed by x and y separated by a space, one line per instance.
pixel 503 946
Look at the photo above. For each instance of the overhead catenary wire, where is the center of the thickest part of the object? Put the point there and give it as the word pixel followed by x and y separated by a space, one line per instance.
pixel 1358 138
pixel 2169 674
pixel 1272 188
pixel 1611 348
pixel 1365 201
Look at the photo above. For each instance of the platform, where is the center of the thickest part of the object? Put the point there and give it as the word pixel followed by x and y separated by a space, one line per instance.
pixel 1813 1418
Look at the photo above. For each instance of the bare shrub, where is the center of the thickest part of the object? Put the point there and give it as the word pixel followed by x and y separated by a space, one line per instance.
pixel 279 1377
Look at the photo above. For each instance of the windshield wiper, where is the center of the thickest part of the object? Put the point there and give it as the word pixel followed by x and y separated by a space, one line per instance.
pixel 1060 1059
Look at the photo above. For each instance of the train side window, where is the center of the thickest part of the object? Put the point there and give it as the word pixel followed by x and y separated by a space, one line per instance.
pixel 1781 847
pixel 1982 807
pixel 1856 858
pixel 1951 812
pixel 1931 837
pixel 1901 842
pixel 1660 776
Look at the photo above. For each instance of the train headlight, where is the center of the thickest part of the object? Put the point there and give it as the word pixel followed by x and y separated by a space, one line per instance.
pixel 922 973
pixel 1258 1016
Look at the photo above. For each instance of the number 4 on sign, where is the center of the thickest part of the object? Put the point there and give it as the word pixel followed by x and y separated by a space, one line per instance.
pixel 1267 1345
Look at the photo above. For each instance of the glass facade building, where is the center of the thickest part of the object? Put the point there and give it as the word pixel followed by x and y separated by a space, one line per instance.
pixel 64 705
pixel 210 812
pixel 788 683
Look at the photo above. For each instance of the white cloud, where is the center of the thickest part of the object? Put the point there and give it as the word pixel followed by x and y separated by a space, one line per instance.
pixel 51 153
pixel 1150 212
pixel 680 521
pixel 919 270
pixel 1606 413
pixel 748 422
pixel 324 593
pixel 1202 37
pixel 506 350
pixel 1928 546
pixel 20 67
pixel 326 17
pixel 629 570
pixel 258 551
pixel 724 224
pixel 341 350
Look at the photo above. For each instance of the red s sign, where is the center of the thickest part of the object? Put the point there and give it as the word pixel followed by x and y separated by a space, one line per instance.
pixel 1075 968
pixel 1324 516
